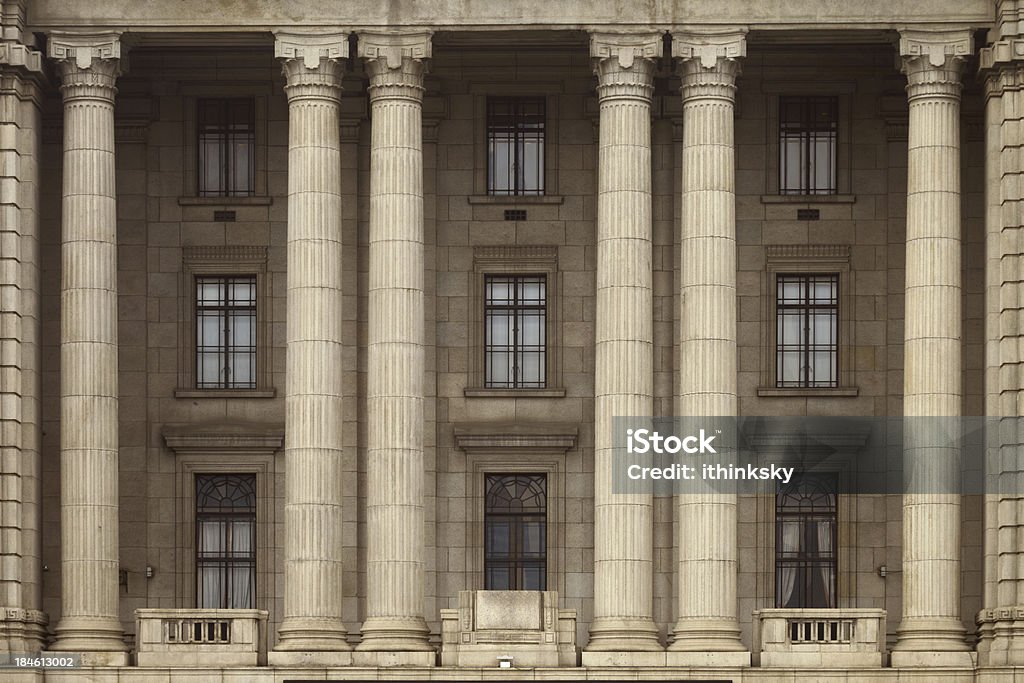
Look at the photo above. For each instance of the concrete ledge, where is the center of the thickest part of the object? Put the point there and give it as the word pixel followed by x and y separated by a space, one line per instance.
pixel 623 658
pixel 287 658
pixel 707 659
pixel 913 658
pixel 425 658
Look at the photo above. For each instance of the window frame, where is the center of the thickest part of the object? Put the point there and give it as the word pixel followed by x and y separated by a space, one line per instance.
pixel 517 311
pixel 520 121
pixel 226 561
pixel 514 560
pixel 806 308
pixel 514 260
pixel 260 93
pixel 806 561
pixel 224 135
pixel 806 132
pixel 222 262
pixel 224 310
pixel 827 259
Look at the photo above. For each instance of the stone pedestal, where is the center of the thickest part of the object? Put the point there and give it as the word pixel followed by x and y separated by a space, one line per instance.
pixel 396 63
pixel 88 66
pixel 313 559
pixel 623 524
pixel 707 632
pixel 931 630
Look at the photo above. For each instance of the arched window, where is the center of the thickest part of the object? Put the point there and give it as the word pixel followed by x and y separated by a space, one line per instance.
pixel 225 540
pixel 805 542
pixel 515 532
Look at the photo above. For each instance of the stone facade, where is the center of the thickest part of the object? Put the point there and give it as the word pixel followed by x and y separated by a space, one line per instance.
pixel 369 233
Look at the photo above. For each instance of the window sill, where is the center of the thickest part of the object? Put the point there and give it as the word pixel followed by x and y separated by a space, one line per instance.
pixel 225 393
pixel 837 392
pixel 515 200
pixel 483 392
pixel 808 198
pixel 225 201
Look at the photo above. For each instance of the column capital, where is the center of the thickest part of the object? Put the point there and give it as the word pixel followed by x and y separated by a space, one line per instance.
pixel 394 47
pixel 396 62
pixel 625 47
pixel 311 63
pixel 943 48
pixel 709 47
pixel 89 63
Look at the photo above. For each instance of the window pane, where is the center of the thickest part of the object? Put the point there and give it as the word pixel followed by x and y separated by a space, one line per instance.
pixel 515 531
pixel 514 331
pixel 533 579
pixel 807 145
pixel 498 541
pixel 498 579
pixel 226 332
pixel 515 145
pixel 241 587
pixel 211 587
pixel 226 146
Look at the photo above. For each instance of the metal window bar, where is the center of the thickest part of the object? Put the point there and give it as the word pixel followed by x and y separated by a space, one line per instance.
pixel 515 532
pixel 808 134
pixel 226 147
pixel 515 145
pixel 805 504
pixel 807 331
pixel 515 331
pixel 225 332
pixel 226 502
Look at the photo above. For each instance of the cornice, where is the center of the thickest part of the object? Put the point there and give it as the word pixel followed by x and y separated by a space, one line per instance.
pixel 708 47
pixel 21 56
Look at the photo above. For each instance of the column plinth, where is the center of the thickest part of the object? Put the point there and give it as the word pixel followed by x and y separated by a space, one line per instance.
pixel 314 551
pixel 90 622
pixel 931 631
pixel 395 631
pixel 623 523
pixel 707 631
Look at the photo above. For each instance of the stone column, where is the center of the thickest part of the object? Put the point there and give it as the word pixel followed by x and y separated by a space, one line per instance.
pixel 395 631
pixel 314 559
pixel 623 385
pixel 1001 621
pixel 88 67
pixel 708 630
pixel 22 624
pixel 931 631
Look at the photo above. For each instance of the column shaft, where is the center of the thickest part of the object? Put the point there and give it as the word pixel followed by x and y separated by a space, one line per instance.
pixel 88 378
pixel 708 626
pixel 932 377
pixel 314 551
pixel 623 384
pixel 395 347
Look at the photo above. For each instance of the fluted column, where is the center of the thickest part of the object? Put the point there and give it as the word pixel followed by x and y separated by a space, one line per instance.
pixel 396 63
pixel 623 384
pixel 88 66
pixel 314 559
pixel 1001 621
pixel 931 631
pixel 707 631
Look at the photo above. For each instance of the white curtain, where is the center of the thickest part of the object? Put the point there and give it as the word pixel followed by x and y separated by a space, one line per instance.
pixel 241 575
pixel 825 550
pixel 787 573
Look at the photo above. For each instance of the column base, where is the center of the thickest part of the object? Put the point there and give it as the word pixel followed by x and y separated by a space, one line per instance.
pixel 307 634
pixel 420 658
pixel 923 658
pixel 91 635
pixel 400 634
pixel 309 658
pixel 632 658
pixel 623 635
pixel 734 658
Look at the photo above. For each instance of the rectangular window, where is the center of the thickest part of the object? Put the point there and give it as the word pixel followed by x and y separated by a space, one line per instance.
pixel 226 332
pixel 808 131
pixel 515 145
pixel 515 336
pixel 805 542
pixel 226 147
pixel 807 331
pixel 515 532
pixel 225 541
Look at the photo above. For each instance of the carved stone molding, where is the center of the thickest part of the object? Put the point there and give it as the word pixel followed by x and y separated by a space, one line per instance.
pixel 708 47
pixel 392 48
pixel 221 438
pixel 18 55
pixel 939 46
pixel 1002 52
pixel 626 47
pixel 83 48
pixel 310 48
